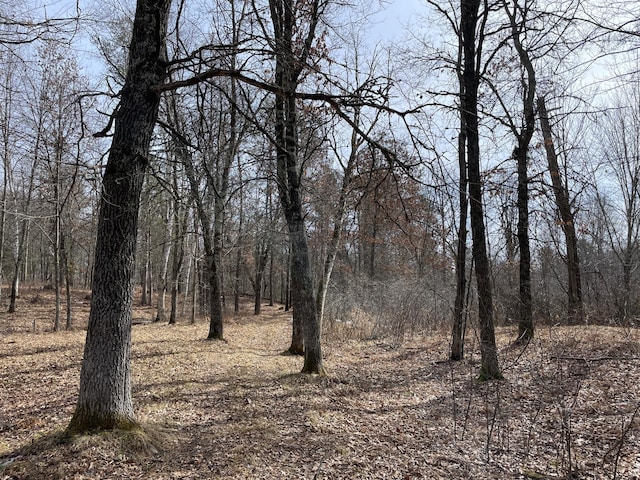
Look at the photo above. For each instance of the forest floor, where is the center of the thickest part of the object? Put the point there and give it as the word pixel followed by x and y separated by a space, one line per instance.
pixel 568 407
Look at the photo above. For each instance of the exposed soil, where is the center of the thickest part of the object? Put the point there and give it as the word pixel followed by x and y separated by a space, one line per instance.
pixel 569 407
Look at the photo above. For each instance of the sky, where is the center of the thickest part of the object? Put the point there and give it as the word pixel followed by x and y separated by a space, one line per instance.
pixel 392 21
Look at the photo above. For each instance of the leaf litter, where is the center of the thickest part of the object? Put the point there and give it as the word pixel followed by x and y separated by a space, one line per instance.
pixel 569 407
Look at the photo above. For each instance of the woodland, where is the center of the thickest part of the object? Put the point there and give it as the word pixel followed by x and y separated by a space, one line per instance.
pixel 296 238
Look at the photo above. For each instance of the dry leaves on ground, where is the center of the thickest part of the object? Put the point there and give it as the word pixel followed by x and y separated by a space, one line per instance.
pixel 241 410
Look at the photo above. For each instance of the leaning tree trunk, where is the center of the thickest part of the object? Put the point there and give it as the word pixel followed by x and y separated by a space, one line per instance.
pixel 105 399
pixel 575 308
pixel 470 76
pixel 338 222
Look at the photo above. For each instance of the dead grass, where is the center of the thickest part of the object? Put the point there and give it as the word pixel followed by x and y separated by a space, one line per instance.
pixel 240 410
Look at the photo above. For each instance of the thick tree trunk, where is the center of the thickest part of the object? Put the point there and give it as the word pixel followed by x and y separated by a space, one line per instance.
pixel 105 399
pixel 489 368
pixel 289 67
pixel 297 335
pixel 302 293
pixel 303 297
pixel 563 204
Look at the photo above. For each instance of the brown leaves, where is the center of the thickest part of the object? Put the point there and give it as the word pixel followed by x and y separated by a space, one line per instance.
pixel 241 410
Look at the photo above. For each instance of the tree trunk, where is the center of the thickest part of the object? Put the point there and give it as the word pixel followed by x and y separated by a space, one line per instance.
pixel 66 252
pixel 105 400
pixel 216 327
pixel 469 19
pixel 180 227
pixel 216 331
pixel 22 234
pixel 459 310
pixel 261 257
pixel 236 283
pixel 271 290
pixel 287 290
pixel 563 204
pixel 525 313
pixel 289 67
pixel 338 222
pixel 161 314
pixel 524 135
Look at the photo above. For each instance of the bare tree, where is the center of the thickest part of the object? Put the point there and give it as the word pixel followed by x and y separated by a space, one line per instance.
pixel 292 48
pixel 618 132
pixel 105 399
pixel 517 14
pixel 472 31
pixel 566 214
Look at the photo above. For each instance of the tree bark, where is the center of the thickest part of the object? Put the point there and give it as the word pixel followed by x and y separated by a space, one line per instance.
pixel 471 77
pixel 105 399
pixel 161 314
pixel 524 135
pixel 459 311
pixel 563 204
pixel 289 67
pixel 261 258
pixel 179 228
pixel 338 221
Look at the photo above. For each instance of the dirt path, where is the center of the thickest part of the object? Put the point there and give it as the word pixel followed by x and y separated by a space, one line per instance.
pixel 240 410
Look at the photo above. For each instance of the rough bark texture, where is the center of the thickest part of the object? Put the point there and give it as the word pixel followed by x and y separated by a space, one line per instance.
pixel 105 381
pixel 470 76
pixel 288 70
pixel 575 307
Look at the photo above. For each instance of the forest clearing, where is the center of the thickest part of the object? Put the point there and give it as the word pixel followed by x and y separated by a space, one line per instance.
pixel 387 408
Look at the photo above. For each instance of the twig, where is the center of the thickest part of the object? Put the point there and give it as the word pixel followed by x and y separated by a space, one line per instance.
pixel 625 430
pixel 594 359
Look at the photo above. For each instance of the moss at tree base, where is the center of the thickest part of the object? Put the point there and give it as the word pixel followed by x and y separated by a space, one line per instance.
pixel 85 423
